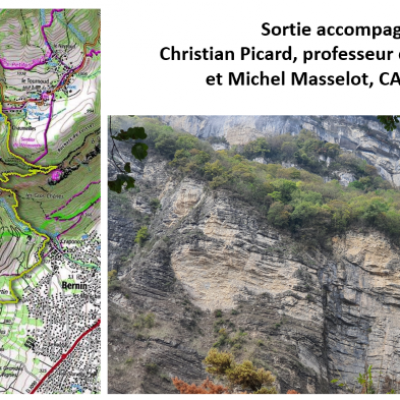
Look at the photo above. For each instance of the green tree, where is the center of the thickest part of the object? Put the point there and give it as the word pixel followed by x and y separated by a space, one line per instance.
pixel 187 142
pixel 248 377
pixel 341 216
pixel 375 210
pixel 286 188
pixel 256 148
pixel 365 380
pixel 389 121
pixel 331 150
pixel 212 170
pixel 304 213
pixel 218 362
pixel 166 144
pixel 142 235
pixel 112 276
pixel 279 215
pixel 138 150
pixel 155 204
pixel 240 375
pixel 288 150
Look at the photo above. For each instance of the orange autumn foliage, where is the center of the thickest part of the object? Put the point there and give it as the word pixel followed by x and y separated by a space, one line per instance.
pixel 207 387
pixel 291 391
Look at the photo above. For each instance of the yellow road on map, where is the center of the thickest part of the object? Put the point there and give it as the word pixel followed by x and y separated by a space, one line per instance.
pixel 38 169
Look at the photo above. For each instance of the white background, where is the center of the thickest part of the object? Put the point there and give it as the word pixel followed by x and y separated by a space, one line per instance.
pixel 136 81
pixel 143 83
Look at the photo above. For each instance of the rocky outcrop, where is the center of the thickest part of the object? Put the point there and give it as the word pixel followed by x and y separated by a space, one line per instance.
pixel 362 135
pixel 310 314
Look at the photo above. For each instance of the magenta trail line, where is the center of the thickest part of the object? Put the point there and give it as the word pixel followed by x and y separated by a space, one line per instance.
pixel 48 26
pixel 47 254
pixel 81 213
pixel 77 222
pixel 46 150
pixel 41 61
pixel 36 63
pixel 16 108
pixel 73 197
pixel 93 53
pixel 72 226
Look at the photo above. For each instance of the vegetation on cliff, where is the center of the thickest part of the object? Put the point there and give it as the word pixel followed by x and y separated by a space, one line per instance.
pixel 160 328
pixel 236 377
pixel 306 200
pixel 244 377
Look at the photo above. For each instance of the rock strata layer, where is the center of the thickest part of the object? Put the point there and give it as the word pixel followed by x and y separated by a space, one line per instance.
pixel 310 314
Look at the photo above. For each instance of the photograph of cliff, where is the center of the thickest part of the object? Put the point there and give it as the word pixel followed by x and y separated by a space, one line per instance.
pixel 253 254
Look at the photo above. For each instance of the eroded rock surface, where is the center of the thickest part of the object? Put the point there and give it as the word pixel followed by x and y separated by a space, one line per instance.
pixel 310 314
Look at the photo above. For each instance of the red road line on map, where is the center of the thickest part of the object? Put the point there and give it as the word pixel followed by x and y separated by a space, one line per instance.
pixel 64 356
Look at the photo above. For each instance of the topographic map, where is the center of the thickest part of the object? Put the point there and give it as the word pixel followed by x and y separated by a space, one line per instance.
pixel 49 201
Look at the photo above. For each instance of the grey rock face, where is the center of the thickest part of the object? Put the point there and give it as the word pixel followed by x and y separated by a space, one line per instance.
pixel 319 314
pixel 360 134
pixel 220 146
pixel 346 178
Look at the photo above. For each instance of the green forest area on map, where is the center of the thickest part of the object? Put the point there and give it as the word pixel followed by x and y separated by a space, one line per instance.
pixel 50 201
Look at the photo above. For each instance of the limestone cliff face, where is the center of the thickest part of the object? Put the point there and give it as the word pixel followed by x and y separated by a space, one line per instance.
pixel 320 314
pixel 363 135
